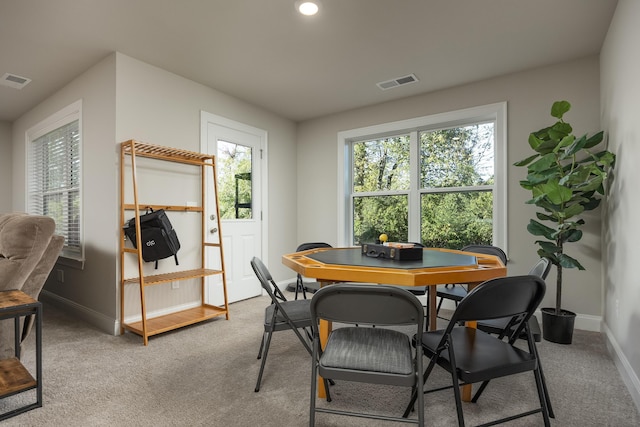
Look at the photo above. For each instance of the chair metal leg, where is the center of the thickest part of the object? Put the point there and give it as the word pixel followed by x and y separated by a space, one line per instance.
pixel 314 392
pixel 414 395
pixel 439 305
pixel 261 345
pixel 542 397
pixel 456 389
pixel 264 360
pixel 544 384
pixel 300 287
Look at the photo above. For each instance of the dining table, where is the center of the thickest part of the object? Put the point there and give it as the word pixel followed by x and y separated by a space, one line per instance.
pixel 436 266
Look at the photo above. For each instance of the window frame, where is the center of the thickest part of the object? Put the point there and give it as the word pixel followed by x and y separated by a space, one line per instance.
pixel 61 118
pixel 496 112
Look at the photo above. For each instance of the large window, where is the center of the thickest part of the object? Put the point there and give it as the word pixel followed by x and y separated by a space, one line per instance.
pixel 54 175
pixel 438 180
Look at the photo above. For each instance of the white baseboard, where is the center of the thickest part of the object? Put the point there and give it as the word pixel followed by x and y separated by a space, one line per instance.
pixel 628 375
pixel 102 322
pixel 584 322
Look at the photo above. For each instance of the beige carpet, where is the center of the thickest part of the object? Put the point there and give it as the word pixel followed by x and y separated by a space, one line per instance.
pixel 205 376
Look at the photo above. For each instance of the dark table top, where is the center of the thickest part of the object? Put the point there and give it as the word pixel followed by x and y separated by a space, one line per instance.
pixel 430 258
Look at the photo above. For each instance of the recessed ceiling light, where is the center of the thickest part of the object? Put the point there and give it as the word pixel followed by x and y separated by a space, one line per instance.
pixel 307 7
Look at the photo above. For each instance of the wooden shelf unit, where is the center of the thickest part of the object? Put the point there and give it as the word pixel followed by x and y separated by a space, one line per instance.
pixel 147 327
pixel 15 378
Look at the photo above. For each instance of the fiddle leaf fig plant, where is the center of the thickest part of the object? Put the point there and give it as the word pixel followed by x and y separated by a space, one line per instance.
pixel 566 177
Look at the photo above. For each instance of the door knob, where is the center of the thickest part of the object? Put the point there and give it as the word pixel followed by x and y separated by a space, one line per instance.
pixel 213 230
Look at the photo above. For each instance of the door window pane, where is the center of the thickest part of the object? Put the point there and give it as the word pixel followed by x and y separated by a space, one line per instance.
pixel 234 180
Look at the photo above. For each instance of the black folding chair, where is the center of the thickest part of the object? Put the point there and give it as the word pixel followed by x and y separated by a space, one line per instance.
pixel 363 353
pixel 498 326
pixel 473 356
pixel 300 285
pixel 280 315
pixel 456 292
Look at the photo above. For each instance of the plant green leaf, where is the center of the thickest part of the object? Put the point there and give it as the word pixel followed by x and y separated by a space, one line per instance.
pixel 547 146
pixel 543 254
pixel 559 108
pixel 544 217
pixel 559 131
pixel 573 235
pixel 566 141
pixel 577 146
pixel 548 247
pixel 543 163
pixel 594 140
pixel 534 141
pixel 568 262
pixel 591 204
pixel 526 161
pixel 573 210
pixel 556 193
pixel 538 229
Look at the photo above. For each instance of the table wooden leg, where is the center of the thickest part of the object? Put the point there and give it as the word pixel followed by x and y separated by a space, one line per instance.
pixel 433 316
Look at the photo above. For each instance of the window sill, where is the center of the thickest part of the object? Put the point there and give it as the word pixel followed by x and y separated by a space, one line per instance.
pixel 71 262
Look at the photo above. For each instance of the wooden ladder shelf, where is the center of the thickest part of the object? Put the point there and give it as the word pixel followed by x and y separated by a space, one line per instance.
pixel 147 327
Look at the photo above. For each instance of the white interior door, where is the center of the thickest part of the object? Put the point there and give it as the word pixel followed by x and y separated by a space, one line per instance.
pixel 238 149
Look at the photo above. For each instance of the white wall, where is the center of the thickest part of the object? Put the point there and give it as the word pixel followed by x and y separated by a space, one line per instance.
pixel 529 96
pixel 123 99
pixel 5 166
pixel 159 107
pixel 92 291
pixel 620 106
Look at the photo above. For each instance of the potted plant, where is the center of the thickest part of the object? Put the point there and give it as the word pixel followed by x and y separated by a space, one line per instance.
pixel 566 177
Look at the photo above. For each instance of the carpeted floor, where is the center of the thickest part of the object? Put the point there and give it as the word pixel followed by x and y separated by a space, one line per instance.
pixel 205 375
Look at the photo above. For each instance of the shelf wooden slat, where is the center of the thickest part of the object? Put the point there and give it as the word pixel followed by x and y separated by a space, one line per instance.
pixel 14 377
pixel 171 321
pixel 173 276
pixel 165 153
pixel 180 208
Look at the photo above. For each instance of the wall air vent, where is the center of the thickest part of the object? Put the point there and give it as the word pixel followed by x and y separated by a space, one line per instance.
pixel 14 81
pixel 399 81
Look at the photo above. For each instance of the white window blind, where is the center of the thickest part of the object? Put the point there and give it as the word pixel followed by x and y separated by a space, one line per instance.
pixel 54 181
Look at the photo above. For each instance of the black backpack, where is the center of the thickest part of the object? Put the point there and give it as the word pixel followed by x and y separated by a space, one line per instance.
pixel 159 239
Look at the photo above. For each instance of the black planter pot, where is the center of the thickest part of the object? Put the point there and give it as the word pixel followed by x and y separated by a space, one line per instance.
pixel 557 328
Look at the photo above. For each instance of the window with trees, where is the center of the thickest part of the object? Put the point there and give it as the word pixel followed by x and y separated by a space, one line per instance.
pixel 54 175
pixel 436 180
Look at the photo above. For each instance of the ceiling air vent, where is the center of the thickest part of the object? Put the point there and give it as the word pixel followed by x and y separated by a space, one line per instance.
pixel 400 81
pixel 14 81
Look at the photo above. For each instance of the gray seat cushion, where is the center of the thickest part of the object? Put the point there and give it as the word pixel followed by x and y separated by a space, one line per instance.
pixel 298 311
pixel 368 349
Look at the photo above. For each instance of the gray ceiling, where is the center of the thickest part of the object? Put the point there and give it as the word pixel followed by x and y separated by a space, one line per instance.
pixel 299 67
